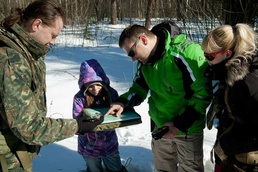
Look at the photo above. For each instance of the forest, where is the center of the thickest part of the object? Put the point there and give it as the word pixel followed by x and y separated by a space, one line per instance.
pixel 84 11
pixel 205 14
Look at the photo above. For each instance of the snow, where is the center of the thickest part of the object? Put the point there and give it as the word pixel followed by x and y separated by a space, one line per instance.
pixel 63 62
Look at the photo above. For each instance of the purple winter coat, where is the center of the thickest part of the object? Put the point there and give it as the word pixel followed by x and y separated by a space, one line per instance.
pixel 99 143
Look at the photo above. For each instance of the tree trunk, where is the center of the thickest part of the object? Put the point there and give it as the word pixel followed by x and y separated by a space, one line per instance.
pixel 156 9
pixel 113 12
pixel 149 14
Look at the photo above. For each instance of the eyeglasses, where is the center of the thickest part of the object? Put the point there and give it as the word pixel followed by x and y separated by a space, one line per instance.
pixel 211 56
pixel 132 49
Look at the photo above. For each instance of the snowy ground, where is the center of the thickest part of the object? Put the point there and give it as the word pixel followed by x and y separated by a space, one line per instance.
pixel 63 63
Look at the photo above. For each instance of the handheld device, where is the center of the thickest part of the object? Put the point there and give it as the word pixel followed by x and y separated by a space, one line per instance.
pixel 160 132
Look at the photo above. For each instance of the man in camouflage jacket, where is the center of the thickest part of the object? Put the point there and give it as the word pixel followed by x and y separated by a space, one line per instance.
pixel 24 126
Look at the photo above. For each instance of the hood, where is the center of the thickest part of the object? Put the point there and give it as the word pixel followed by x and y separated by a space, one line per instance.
pixel 239 67
pixel 170 26
pixel 91 71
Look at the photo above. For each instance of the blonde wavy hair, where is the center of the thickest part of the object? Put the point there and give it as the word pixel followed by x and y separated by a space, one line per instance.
pixel 241 39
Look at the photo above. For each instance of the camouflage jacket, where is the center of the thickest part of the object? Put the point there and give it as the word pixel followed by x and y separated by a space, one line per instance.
pixel 22 91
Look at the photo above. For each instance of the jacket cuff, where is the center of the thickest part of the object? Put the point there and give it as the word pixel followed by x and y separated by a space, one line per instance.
pixel 134 100
pixel 184 121
pixel 122 100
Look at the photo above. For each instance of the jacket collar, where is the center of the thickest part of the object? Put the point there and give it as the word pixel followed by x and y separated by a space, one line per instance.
pixel 163 41
pixel 36 49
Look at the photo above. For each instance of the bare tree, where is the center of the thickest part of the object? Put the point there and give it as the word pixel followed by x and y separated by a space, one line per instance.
pixel 149 13
pixel 240 11
pixel 113 11
pixel 205 11
pixel 156 8
pixel 98 6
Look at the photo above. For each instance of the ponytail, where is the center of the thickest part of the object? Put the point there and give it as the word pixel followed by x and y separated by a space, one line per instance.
pixel 14 17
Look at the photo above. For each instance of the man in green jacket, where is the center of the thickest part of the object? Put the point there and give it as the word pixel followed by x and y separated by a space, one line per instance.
pixel 171 69
pixel 25 37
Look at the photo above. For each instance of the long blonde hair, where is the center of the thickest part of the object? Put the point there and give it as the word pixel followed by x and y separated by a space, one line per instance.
pixel 241 39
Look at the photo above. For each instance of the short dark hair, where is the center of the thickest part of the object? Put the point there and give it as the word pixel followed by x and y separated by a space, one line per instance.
pixel 132 32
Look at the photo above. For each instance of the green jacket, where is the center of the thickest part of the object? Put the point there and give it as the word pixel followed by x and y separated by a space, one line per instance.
pixel 22 91
pixel 174 77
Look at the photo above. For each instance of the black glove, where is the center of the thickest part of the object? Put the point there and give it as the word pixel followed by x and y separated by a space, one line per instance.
pixel 85 125
pixel 184 121
pixel 134 101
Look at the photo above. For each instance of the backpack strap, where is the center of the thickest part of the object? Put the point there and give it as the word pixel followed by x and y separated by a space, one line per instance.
pixel 24 157
pixel 3 162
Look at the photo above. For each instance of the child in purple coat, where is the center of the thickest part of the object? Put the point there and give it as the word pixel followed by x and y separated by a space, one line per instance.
pixel 96 146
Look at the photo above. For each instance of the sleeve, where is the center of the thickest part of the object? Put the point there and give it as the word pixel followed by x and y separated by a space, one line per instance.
pixel 113 93
pixel 21 110
pixel 137 92
pixel 78 105
pixel 201 89
pixel 243 99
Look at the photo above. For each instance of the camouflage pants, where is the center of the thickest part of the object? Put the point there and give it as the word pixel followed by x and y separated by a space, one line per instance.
pixel 15 155
pixel 12 162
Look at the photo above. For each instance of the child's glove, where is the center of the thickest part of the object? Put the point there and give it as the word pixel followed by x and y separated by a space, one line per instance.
pixel 84 125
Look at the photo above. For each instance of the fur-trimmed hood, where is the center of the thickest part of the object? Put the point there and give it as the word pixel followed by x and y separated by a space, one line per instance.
pixel 232 70
pixel 237 69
